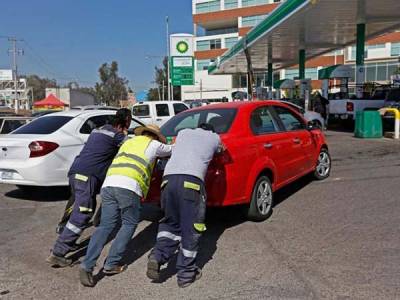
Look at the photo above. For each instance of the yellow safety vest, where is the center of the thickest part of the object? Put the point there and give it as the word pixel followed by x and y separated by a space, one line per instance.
pixel 132 162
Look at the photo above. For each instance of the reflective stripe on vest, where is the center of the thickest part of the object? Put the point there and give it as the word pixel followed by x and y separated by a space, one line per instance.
pixel 132 162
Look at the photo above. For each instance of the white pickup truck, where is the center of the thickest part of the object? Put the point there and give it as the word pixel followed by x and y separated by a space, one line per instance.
pixel 345 109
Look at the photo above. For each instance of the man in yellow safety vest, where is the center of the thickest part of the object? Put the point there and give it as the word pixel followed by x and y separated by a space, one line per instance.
pixel 127 181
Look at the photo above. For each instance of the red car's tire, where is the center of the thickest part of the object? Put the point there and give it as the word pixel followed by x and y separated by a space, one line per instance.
pixel 323 166
pixel 262 200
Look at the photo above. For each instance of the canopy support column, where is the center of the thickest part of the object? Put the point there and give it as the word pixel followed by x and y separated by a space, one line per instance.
pixel 302 64
pixel 270 80
pixel 360 56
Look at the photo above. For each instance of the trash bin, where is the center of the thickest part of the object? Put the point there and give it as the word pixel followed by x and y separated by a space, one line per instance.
pixel 368 124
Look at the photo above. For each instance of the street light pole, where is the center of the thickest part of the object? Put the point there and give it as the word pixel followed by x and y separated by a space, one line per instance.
pixel 15 52
pixel 168 55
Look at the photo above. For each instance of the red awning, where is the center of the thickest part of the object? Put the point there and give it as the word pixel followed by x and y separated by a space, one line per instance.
pixel 50 100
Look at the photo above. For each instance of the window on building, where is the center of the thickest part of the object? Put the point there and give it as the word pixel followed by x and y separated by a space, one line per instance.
pixel 208 44
pixel 311 73
pixel 231 4
pixel 254 2
pixel 202 64
pixel 381 72
pixel 395 49
pixel 291 73
pixel 221 31
pixel 209 6
pixel 229 42
pixel 377 46
pixel 353 53
pixel 215 44
pixel 252 20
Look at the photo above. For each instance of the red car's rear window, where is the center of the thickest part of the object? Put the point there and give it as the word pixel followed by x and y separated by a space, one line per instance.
pixel 220 118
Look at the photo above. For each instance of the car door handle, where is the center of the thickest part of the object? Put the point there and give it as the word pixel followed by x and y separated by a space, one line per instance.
pixel 296 141
pixel 268 145
pixel 158 119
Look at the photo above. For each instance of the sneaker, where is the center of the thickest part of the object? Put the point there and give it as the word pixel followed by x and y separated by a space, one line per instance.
pixel 186 284
pixel 114 270
pixel 58 261
pixel 86 278
pixel 153 268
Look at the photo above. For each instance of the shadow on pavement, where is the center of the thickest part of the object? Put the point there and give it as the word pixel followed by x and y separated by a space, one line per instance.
pixel 40 194
pixel 289 190
pixel 218 220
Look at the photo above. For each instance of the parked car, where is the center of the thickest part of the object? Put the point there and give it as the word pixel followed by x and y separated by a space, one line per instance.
pixel 41 152
pixel 10 123
pixel 268 145
pixel 158 112
pixel 309 115
pixel 95 107
pixel 43 113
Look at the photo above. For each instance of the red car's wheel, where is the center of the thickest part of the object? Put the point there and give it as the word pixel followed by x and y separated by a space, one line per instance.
pixel 261 203
pixel 324 165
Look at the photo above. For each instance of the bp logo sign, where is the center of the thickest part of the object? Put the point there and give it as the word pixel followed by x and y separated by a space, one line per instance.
pixel 182 47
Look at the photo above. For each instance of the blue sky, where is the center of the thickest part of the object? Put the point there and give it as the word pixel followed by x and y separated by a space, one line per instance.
pixel 72 38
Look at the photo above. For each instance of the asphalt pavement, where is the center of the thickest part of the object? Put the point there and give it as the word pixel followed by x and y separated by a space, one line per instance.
pixel 334 239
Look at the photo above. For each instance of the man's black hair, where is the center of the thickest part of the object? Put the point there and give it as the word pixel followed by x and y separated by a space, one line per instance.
pixel 121 117
pixel 207 126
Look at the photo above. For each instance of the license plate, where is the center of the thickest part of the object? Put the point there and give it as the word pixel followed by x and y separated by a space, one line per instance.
pixel 6 175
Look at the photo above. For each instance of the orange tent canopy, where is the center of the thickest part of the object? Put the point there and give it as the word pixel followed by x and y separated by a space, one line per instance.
pixel 50 100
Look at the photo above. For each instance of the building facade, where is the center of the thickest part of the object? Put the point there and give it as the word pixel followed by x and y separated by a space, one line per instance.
pixel 219 24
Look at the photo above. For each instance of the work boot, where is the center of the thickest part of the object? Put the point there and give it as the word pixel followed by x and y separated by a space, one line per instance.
pixel 196 277
pixel 86 278
pixel 153 268
pixel 60 228
pixel 114 270
pixel 58 261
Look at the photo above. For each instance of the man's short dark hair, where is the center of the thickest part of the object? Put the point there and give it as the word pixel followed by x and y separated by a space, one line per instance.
pixel 207 126
pixel 121 117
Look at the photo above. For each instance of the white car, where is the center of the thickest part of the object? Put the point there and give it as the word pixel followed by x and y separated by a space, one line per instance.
pixel 157 112
pixel 309 115
pixel 41 152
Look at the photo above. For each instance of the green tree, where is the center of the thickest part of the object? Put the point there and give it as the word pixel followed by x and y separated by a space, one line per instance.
pixel 111 87
pixel 160 78
pixel 39 85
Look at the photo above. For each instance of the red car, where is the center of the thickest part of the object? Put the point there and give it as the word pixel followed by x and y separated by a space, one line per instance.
pixel 268 145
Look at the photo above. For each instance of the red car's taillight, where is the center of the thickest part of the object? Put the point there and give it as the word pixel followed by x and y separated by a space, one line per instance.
pixel 350 106
pixel 41 148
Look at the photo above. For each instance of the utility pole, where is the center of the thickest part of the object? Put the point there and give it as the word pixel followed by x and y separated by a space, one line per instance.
pixel 15 52
pixel 168 55
pixel 201 90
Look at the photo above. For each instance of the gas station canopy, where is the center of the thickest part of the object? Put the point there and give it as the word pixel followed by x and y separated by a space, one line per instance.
pixel 316 26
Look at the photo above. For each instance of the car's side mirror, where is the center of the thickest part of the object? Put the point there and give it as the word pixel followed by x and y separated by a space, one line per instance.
pixel 312 125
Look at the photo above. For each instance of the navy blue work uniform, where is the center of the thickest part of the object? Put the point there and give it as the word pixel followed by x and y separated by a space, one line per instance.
pixel 183 199
pixel 86 177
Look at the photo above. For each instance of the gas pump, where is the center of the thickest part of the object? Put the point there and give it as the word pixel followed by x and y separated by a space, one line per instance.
pixel 285 85
pixel 335 72
pixel 305 92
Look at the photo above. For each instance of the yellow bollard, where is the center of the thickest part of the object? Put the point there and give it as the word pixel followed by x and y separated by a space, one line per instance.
pixel 396 112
